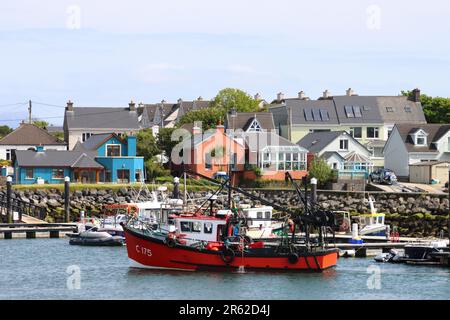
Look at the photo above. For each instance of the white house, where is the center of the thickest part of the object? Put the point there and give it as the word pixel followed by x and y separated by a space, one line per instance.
pixel 28 137
pixel 341 151
pixel 412 144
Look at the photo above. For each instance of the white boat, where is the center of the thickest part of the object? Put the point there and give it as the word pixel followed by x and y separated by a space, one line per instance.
pixel 95 237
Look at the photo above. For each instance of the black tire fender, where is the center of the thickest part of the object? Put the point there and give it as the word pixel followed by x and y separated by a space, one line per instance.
pixel 293 258
pixel 171 242
pixel 227 255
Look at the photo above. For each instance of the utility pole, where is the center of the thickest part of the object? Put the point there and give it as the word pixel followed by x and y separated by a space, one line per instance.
pixel 29 112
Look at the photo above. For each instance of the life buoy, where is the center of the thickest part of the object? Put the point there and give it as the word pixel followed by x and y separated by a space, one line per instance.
pixel 227 255
pixel 293 258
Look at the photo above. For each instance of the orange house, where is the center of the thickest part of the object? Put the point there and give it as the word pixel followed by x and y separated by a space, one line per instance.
pixel 212 152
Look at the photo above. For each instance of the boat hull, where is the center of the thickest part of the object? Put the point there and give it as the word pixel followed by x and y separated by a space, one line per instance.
pixel 150 252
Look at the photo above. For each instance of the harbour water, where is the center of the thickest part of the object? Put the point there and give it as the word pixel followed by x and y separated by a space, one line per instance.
pixel 52 269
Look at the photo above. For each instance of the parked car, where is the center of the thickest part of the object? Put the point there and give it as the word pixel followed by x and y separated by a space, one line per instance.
pixel 383 176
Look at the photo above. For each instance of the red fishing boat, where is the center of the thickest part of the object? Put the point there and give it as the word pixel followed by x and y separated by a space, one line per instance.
pixel 218 241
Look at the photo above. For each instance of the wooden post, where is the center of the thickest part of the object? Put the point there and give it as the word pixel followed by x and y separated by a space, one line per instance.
pixel 8 199
pixel 67 198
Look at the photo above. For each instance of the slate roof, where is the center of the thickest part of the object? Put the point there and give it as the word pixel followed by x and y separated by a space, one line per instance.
pixel 328 154
pixel 242 120
pixel 314 142
pixel 55 159
pixel 435 132
pixel 101 118
pixel 29 134
pixel 364 110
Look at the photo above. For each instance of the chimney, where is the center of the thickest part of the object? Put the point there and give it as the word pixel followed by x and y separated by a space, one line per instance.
pixel 220 127
pixel 200 98
pixel 197 129
pixel 416 95
pixel 69 106
pixel 132 106
pixel 233 112
pixel 280 96
pixel 163 101
pixel 257 97
pixel 302 95
pixel 40 148
pixel 326 94
pixel 349 92
pixel 179 101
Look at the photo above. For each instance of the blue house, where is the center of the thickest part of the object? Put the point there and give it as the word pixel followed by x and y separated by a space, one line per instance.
pixel 102 158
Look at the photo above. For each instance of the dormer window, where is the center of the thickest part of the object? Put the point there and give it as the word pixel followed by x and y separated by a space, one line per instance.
pixel 419 137
pixel 421 140
pixel 254 126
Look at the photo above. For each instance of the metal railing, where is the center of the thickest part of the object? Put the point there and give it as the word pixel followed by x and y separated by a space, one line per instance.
pixel 22 207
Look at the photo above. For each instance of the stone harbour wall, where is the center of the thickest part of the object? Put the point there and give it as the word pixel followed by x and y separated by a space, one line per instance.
pixel 418 215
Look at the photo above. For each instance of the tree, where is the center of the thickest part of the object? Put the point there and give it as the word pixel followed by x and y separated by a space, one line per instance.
pixel 210 117
pixel 230 98
pixel 436 109
pixel 226 100
pixel 4 130
pixel 320 170
pixel 146 144
pixel 155 169
pixel 164 141
pixel 41 124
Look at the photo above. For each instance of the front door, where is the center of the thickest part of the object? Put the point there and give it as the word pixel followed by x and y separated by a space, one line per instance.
pixel 123 176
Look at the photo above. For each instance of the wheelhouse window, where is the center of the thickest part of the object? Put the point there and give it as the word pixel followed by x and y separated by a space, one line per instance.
pixel 372 133
pixel 113 150
pixel 58 174
pixel 29 173
pixel 208 227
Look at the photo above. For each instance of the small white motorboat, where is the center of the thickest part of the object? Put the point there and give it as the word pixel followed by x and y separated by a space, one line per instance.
pixel 95 237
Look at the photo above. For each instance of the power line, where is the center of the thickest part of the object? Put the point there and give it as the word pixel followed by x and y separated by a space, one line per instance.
pixel 13 104
pixel 62 117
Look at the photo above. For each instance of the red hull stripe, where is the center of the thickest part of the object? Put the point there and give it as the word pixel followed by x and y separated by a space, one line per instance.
pixel 153 253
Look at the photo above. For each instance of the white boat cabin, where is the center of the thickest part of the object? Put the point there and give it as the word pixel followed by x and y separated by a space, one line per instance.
pixel 200 228
pixel 258 217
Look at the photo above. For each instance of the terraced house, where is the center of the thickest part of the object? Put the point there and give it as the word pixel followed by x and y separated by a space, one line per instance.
pixel 369 119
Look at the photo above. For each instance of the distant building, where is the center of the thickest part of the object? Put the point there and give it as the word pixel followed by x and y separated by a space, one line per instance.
pixel 27 137
pixel 369 119
pixel 341 151
pixel 272 154
pixel 101 158
pixel 413 144
pixel 82 122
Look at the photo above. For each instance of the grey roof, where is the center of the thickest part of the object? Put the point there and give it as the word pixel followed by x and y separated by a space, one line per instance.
pixel 302 111
pixel 242 120
pixel 328 154
pixel 427 163
pixel 29 134
pixel 379 109
pixel 101 118
pixel 53 129
pixel 95 140
pixel 54 158
pixel 316 141
pixel 362 109
pixel 434 131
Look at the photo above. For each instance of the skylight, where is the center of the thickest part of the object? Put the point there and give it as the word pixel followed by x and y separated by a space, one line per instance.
pixel 308 114
pixel 357 111
pixel 349 112
pixel 324 114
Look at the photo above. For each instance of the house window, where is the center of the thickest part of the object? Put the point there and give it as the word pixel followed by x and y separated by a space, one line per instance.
pixel 58 174
pixel 8 154
pixel 356 132
pixel 138 175
pixel 421 140
pixel 85 136
pixel 113 150
pixel 389 109
pixel 208 160
pixel 377 152
pixel 29 173
pixel 343 144
pixel 408 109
pixel 372 132
pixel 123 175
pixel 349 112
pixel 254 126
pixel 389 132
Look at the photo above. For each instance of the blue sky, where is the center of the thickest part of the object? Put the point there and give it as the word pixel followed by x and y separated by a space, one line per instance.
pixel 104 53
